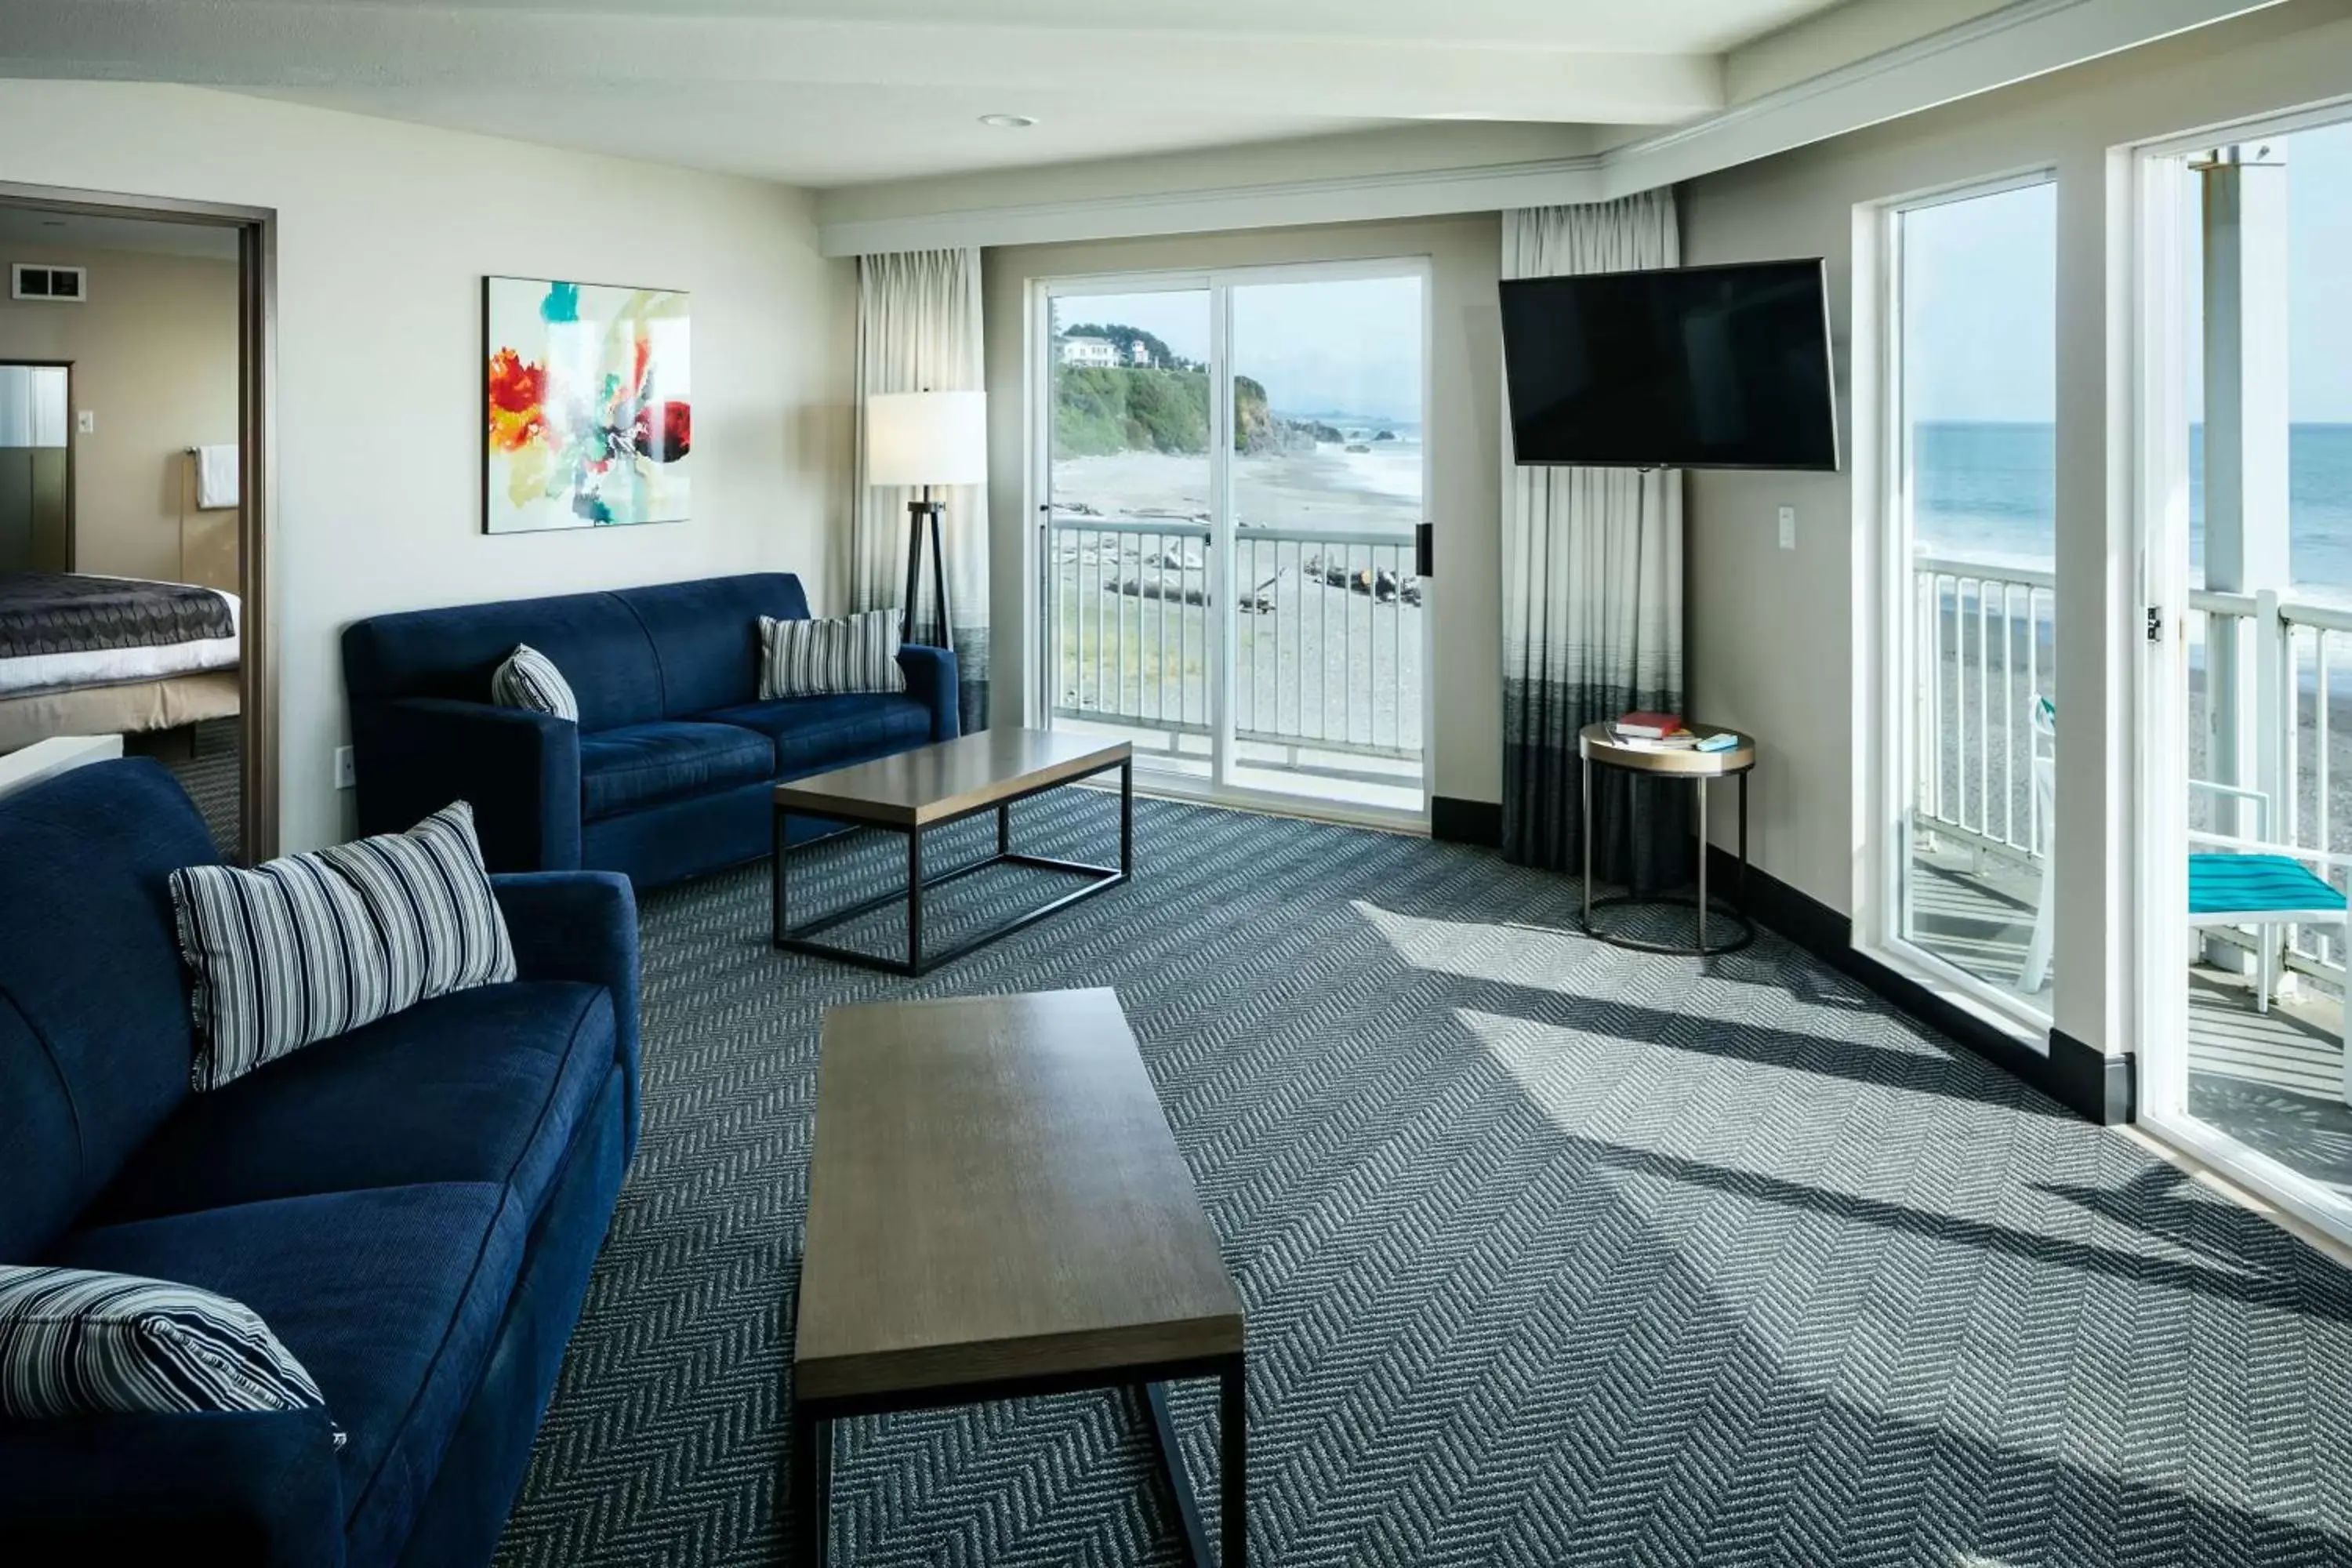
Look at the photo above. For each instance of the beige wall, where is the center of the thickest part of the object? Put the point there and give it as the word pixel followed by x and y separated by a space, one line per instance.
pixel 385 233
pixel 1776 643
pixel 154 358
pixel 1465 437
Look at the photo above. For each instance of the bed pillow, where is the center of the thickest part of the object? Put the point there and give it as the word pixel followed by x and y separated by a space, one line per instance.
pixel 77 1343
pixel 528 678
pixel 310 946
pixel 832 657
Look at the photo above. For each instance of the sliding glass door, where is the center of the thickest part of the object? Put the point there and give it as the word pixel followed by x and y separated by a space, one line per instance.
pixel 1970 600
pixel 2245 486
pixel 1131 479
pixel 1232 475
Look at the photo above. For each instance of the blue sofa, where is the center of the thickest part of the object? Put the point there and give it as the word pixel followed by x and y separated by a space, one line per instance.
pixel 413 1208
pixel 667 774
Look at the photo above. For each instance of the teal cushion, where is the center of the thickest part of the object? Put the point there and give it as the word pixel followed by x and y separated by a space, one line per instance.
pixel 2251 884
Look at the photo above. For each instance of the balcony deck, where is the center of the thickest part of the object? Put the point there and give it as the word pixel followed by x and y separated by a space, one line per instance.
pixel 2271 1081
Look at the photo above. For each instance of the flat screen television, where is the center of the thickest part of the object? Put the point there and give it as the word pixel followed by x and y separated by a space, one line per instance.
pixel 1688 367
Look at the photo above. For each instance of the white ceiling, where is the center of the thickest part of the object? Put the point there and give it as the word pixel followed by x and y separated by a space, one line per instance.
pixel 834 92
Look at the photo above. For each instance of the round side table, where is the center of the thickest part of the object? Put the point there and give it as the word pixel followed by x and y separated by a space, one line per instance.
pixel 1595 744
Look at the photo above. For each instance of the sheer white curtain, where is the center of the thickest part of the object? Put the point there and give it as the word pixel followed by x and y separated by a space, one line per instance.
pixel 1592 586
pixel 918 330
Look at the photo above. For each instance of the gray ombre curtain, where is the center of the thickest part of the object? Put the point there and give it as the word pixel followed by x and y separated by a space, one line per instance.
pixel 1592 592
pixel 918 330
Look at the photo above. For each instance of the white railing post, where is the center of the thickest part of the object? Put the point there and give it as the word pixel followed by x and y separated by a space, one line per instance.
pixel 2273 710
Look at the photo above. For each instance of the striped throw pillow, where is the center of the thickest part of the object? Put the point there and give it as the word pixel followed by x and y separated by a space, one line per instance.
pixel 528 678
pixel 832 657
pixel 310 946
pixel 77 1342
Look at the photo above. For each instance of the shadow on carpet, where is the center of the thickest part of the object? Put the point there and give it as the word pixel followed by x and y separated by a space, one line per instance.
pixel 1552 1254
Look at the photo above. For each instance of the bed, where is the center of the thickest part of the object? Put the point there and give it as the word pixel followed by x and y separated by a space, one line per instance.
pixel 86 655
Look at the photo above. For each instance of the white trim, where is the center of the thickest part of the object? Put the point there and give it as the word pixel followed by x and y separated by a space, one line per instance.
pixel 1429 192
pixel 1958 988
pixel 2014 43
pixel 2235 1163
pixel 2026 39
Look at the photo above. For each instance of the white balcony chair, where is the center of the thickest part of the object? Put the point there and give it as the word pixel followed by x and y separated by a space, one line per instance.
pixel 2242 882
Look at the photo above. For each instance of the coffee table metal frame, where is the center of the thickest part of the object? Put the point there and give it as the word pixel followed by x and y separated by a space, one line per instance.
pixel 802 938
pixel 811 1479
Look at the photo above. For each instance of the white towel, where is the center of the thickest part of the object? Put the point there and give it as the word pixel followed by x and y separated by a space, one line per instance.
pixel 216 477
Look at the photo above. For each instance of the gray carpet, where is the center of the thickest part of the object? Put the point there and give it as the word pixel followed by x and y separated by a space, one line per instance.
pixel 206 758
pixel 1553 1254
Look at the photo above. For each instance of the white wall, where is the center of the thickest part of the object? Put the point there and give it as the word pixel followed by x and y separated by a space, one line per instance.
pixel 1776 644
pixel 385 233
pixel 1464 451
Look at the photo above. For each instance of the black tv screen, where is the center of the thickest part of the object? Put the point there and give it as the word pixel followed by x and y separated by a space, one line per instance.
pixel 1691 367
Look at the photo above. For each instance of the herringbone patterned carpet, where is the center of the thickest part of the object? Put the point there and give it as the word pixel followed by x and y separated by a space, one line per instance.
pixel 1553 1254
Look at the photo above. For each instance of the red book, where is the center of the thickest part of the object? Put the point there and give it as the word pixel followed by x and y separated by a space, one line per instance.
pixel 1649 726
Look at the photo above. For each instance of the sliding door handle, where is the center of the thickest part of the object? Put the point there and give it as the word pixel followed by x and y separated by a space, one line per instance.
pixel 1424 550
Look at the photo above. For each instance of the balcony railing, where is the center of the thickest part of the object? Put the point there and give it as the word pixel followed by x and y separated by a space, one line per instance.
pixel 1327 650
pixel 2284 718
pixel 1985 652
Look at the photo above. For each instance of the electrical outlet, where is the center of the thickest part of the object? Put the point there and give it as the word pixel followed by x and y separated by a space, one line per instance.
pixel 347 773
pixel 1787 527
pixel 86 421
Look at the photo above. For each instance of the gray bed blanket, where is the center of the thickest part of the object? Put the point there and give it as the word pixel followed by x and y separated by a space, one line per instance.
pixel 61 612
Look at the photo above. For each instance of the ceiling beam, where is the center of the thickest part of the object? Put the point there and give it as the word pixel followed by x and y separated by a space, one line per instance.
pixel 2014 43
pixel 244 43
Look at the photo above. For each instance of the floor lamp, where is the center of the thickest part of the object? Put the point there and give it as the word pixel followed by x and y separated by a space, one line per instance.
pixel 916 440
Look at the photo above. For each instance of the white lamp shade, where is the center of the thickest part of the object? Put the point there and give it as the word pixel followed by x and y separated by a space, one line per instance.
pixel 926 438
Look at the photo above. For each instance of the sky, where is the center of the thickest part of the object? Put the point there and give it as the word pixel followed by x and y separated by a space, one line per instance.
pixel 1335 346
pixel 1979 281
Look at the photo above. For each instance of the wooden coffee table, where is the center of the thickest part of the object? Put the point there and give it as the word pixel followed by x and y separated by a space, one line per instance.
pixel 996 1208
pixel 931 787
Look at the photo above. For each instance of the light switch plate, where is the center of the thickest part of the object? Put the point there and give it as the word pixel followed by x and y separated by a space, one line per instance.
pixel 1787 527
pixel 347 773
pixel 86 421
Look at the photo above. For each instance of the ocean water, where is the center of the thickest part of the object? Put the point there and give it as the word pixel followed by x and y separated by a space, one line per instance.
pixel 1989 492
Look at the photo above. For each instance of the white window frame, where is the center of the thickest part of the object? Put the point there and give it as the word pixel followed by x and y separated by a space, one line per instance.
pixel 2160 750
pixel 1036 492
pixel 1883 579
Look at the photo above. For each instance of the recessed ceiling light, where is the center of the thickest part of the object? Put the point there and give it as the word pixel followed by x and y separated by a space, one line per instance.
pixel 1009 122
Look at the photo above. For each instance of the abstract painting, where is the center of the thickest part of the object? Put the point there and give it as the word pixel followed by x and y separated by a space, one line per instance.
pixel 591 412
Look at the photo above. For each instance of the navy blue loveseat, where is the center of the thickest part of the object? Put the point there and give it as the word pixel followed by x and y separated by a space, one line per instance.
pixel 667 773
pixel 413 1208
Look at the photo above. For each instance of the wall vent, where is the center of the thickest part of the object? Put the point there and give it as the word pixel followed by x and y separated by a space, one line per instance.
pixel 59 285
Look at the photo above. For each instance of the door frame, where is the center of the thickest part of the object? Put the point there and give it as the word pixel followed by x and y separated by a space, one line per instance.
pixel 1884 785
pixel 256 231
pixel 2157 350
pixel 1039 609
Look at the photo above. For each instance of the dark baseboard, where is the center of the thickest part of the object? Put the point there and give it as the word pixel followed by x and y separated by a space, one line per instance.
pixel 2096 1087
pixel 1478 822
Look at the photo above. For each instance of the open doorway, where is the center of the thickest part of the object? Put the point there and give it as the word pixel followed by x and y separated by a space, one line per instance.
pixel 133 398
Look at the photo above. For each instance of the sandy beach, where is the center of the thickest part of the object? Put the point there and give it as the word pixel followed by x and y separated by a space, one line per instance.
pixel 1325 487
